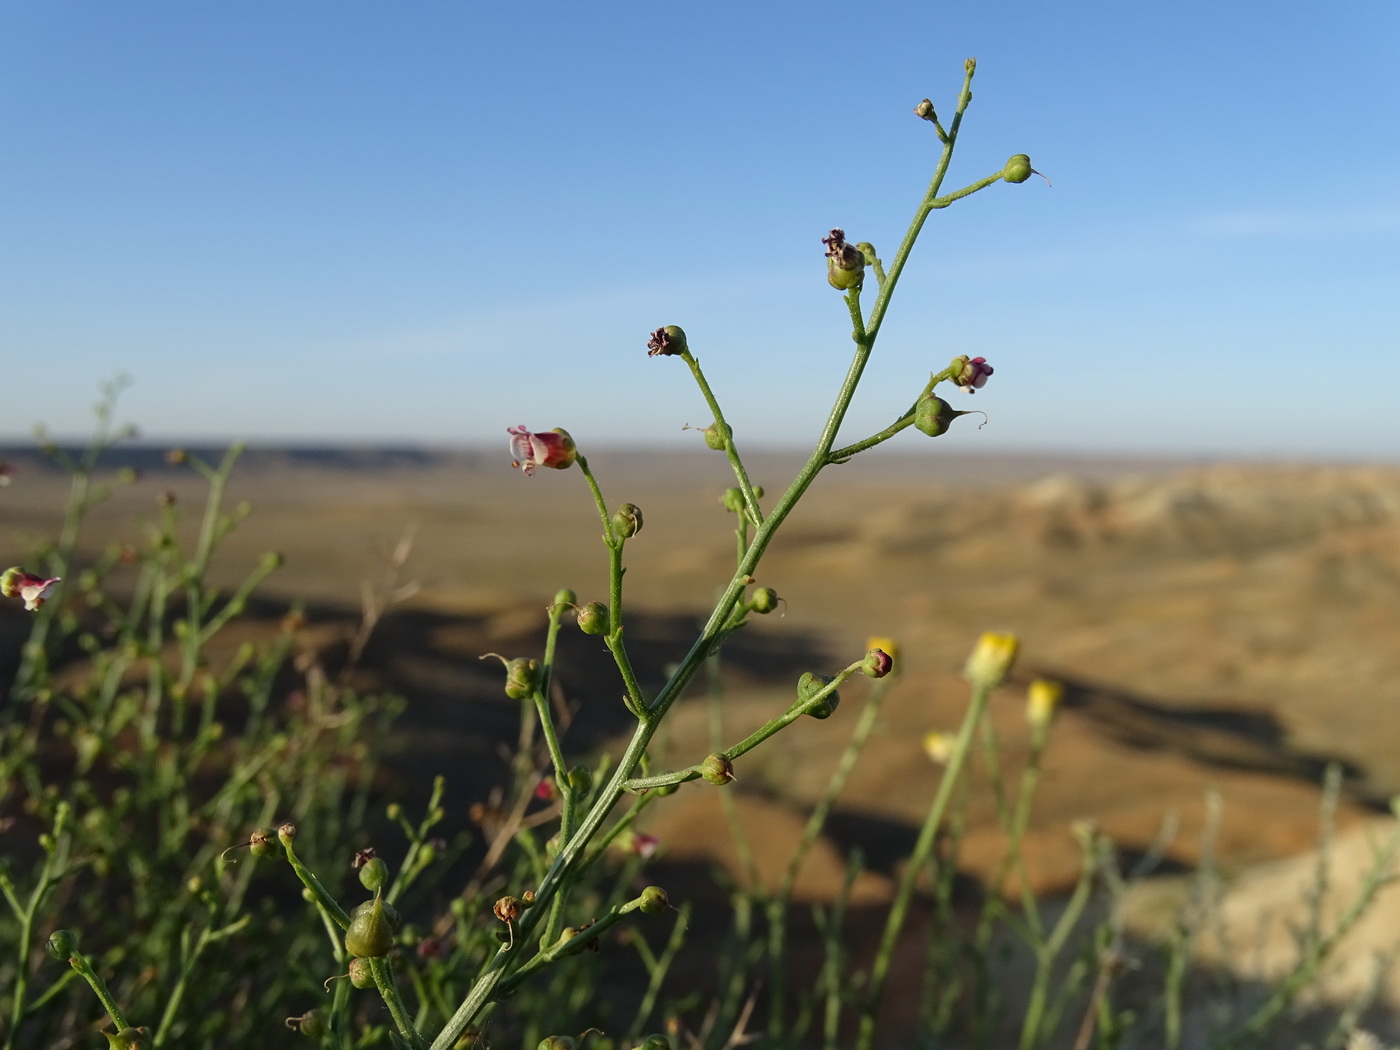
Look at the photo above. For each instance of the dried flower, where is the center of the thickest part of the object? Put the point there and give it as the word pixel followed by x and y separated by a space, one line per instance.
pixel 555 449
pixel 667 341
pixel 845 263
pixel 16 583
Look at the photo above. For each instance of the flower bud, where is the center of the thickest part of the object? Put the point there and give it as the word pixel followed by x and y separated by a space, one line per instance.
pixel 877 663
pixel 1018 169
pixel 733 500
pixel 888 645
pixel 555 449
pixel 564 596
pixel 765 600
pixel 373 874
pixel 939 747
pixel 845 264
pixel 361 976
pixel 933 416
pixel 628 520
pixel 522 675
pixel 809 685
pixel 371 934
pixel 62 945
pixel 991 660
pixel 129 1039
pixel 654 900
pixel 593 618
pixel 924 111
pixel 717 769
pixel 1042 698
pixel 667 341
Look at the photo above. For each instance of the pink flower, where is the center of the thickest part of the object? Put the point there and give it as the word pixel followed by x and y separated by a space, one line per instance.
pixel 974 373
pixel 16 583
pixel 555 449
pixel 637 842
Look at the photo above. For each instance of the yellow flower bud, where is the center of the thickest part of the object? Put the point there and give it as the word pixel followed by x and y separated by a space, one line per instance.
pixel 1042 698
pixel 939 747
pixel 991 660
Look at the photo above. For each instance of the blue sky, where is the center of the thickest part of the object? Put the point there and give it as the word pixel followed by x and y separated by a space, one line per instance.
pixel 425 222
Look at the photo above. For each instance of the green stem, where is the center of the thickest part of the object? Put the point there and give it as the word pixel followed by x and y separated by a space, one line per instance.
pixel 635 703
pixel 55 866
pixel 750 742
pixel 843 454
pixel 750 499
pixel 191 958
pixel 327 903
pixel 782 900
pixel 80 962
pixel 1049 950
pixel 901 256
pixel 923 848
pixel 389 992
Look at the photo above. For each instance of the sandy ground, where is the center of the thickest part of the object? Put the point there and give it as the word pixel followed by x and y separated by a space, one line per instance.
pixel 1219 628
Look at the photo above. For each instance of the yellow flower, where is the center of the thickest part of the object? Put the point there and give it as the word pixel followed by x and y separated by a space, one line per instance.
pixel 939 746
pixel 1042 698
pixel 991 660
pixel 887 645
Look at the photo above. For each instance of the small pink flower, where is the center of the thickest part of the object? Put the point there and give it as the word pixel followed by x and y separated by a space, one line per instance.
pixel 546 790
pixel 16 583
pixel 555 449
pixel 974 374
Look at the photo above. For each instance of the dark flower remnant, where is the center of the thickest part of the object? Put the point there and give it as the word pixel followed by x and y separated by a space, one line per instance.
pixel 667 342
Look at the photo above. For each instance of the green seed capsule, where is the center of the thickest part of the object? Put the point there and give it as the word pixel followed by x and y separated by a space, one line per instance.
pixel 765 600
pixel 1018 169
pixel 809 685
pixel 370 935
pixel 373 874
pixel 593 618
pixel 360 974
pixel 717 769
pixel 933 416
pixel 654 900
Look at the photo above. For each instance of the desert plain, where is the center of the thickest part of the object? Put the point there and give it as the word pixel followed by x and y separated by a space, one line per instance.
pixel 1223 631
